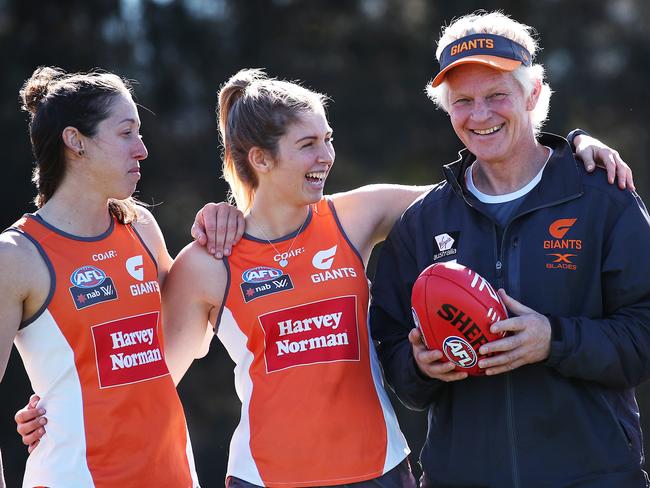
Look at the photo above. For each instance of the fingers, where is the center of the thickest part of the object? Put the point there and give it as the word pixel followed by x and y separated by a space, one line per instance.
pixel 607 157
pixel 33 436
pixel 31 447
pixel 231 229
pixel 198 228
pixel 513 305
pixel 28 414
pixel 33 401
pixel 241 227
pixel 617 169
pixel 30 424
pixel 198 235
pixel 529 343
pixel 506 344
pixel 623 173
pixel 210 221
pixel 510 366
pixel 587 159
pixel 585 147
pixel 594 153
pixel 429 361
pixel 415 337
pixel 221 230
pixel 234 228
pixel 223 225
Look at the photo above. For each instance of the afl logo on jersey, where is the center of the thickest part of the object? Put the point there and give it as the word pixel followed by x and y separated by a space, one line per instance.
pixel 260 274
pixel 262 280
pixel 87 277
pixel 90 286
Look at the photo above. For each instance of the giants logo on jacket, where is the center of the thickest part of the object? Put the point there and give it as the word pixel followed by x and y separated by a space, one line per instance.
pixel 319 332
pixel 324 260
pixel 564 251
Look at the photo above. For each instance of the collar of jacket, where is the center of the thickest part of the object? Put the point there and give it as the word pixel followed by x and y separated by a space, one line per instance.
pixel 560 182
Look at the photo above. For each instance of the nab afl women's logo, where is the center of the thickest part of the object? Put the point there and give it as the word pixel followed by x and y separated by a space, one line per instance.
pixel 459 352
pixel 87 277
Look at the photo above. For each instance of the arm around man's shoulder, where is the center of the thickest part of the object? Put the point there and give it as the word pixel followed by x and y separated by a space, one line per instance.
pixel 368 213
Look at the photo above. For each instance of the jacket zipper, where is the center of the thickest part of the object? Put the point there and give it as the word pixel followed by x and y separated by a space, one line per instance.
pixel 510 418
pixel 510 413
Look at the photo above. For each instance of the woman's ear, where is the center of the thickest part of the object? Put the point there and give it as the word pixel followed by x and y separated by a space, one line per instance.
pixel 259 159
pixel 73 140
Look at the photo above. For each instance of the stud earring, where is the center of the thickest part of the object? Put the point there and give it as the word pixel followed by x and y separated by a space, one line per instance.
pixel 81 152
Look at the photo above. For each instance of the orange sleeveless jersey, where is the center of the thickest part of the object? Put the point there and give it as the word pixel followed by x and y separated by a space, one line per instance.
pixel 94 355
pixel 314 411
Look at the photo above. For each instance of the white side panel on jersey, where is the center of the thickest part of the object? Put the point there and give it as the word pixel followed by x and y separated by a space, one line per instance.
pixel 60 458
pixel 240 461
pixel 397 448
pixel 190 459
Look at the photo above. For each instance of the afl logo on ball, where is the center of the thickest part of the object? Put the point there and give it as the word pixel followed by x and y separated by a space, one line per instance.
pixel 459 352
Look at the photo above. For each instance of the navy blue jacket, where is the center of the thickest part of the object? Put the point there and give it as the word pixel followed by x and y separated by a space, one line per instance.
pixel 569 421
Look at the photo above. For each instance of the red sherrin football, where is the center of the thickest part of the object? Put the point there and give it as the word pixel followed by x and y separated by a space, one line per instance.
pixel 454 308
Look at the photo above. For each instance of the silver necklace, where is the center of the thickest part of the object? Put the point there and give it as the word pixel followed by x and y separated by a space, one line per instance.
pixel 283 261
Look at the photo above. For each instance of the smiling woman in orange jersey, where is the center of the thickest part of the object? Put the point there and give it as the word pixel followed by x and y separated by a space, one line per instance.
pixel 79 294
pixel 290 302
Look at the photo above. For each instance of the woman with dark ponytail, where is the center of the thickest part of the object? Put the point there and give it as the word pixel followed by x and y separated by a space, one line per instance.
pixel 80 294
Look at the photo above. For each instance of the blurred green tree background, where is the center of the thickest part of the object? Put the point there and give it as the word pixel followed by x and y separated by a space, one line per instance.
pixel 373 57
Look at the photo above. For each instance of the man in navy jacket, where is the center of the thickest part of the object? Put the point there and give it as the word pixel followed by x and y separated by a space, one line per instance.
pixel 556 407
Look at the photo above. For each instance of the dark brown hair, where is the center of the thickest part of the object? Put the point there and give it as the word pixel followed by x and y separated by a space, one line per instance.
pixel 56 100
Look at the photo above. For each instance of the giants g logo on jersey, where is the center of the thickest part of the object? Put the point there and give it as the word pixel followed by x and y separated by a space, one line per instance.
pixel 324 260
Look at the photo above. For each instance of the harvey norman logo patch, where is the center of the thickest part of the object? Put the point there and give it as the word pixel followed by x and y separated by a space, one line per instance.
pixel 264 280
pixel 318 332
pixel 446 245
pixel 127 350
pixel 91 286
